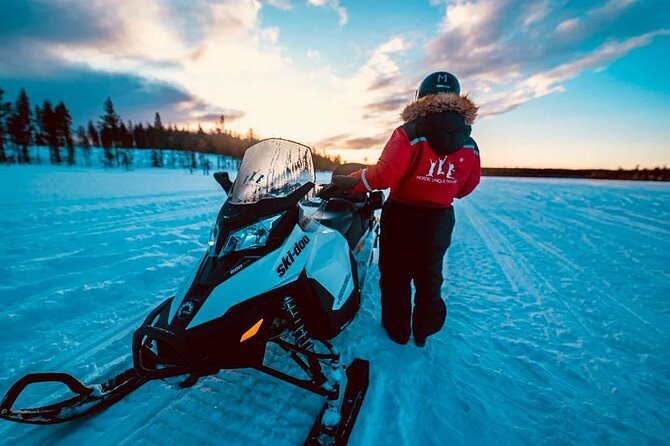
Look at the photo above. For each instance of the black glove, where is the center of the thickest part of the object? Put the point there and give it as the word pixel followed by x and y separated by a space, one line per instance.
pixel 338 187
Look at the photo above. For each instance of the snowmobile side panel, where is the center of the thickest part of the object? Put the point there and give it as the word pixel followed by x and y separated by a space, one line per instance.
pixel 279 268
pixel 320 320
pixel 329 264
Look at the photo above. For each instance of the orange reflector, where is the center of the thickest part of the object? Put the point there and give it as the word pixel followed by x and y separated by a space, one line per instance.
pixel 252 331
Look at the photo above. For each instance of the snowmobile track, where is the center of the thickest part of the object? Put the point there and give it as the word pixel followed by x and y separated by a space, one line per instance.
pixel 557 321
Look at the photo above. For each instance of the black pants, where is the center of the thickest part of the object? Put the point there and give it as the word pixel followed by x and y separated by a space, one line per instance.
pixel 412 247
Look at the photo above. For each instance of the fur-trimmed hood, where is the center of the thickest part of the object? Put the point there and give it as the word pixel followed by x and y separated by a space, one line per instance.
pixel 438 103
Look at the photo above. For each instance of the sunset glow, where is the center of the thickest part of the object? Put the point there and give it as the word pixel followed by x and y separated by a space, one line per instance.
pixel 560 84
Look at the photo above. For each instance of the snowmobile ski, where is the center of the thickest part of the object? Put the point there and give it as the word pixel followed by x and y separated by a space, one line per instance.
pixel 89 399
pixel 338 435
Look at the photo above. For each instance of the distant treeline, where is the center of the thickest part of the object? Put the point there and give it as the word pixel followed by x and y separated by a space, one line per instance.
pixel 47 125
pixel 637 174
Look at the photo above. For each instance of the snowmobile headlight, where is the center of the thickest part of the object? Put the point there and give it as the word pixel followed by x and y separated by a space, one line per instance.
pixel 253 236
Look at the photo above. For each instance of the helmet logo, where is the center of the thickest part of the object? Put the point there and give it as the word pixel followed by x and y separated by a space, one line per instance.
pixel 439 82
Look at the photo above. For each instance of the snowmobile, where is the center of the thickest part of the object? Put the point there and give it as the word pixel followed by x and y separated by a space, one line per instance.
pixel 284 265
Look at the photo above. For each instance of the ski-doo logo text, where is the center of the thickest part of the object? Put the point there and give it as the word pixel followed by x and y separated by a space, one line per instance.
pixel 291 255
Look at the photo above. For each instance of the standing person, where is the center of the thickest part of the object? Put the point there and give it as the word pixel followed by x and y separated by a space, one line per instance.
pixel 428 161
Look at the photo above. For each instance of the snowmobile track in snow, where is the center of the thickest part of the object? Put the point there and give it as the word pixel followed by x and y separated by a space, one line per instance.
pixel 557 328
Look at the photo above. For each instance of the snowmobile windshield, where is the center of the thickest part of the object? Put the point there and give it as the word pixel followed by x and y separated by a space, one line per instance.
pixel 272 168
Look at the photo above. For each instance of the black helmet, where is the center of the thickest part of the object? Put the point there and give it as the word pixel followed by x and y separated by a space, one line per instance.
pixel 439 82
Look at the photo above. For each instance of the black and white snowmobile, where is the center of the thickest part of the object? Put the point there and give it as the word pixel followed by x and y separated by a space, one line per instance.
pixel 283 266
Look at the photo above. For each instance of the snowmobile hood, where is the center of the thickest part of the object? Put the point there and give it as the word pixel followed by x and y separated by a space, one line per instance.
pixel 444 120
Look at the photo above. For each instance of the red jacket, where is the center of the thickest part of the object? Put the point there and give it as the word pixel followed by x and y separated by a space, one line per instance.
pixel 419 174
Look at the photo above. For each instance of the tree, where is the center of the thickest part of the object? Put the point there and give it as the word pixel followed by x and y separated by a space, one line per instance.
pixel 93 136
pixel 221 125
pixel 109 132
pixel 158 122
pixel 64 131
pixel 84 143
pixel 140 136
pixel 201 140
pixel 40 138
pixel 5 108
pixel 20 127
pixel 158 141
pixel 49 131
pixel 128 140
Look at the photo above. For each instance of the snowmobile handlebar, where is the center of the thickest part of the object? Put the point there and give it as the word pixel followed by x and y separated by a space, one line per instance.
pixel 12 395
pixel 338 187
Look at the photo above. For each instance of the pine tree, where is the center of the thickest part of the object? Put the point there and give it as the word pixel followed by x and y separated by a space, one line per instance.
pixel 158 122
pixel 5 108
pixel 20 127
pixel 125 141
pixel 109 131
pixel 126 135
pixel 85 144
pixel 159 139
pixel 64 131
pixel 201 140
pixel 40 139
pixel 140 137
pixel 49 131
pixel 93 136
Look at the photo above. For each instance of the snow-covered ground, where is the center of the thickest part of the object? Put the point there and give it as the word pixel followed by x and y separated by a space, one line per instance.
pixel 558 329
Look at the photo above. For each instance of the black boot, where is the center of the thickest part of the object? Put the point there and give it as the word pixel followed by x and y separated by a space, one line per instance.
pixel 420 342
pixel 398 339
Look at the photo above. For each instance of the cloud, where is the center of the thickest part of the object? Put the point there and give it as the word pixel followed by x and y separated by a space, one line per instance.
pixel 335 6
pixel 176 46
pixel 568 25
pixel 284 5
pixel 313 54
pixel 194 60
pixel 229 116
pixel 36 19
pixel 612 7
pixel 535 12
pixel 393 104
pixel 549 81
pixel 135 98
pixel 383 82
pixel 507 52
pixel 347 141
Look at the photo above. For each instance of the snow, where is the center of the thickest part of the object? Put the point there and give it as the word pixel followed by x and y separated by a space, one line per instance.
pixel 559 317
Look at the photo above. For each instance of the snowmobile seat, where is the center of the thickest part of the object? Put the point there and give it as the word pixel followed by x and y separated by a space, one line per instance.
pixel 345 217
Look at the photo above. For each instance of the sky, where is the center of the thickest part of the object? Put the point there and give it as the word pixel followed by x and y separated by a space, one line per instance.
pixel 560 83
